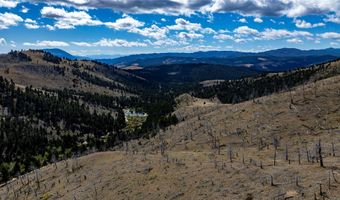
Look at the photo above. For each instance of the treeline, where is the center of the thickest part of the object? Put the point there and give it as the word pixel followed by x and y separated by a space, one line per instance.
pixel 48 57
pixel 40 126
pixel 235 91
pixel 20 56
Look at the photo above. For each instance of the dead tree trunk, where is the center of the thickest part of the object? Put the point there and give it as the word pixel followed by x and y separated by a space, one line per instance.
pixel 299 156
pixel 230 154
pixel 320 154
pixel 275 156
pixel 307 153
pixel 287 153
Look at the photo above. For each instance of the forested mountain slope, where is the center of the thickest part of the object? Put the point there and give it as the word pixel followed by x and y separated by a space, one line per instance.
pixel 52 109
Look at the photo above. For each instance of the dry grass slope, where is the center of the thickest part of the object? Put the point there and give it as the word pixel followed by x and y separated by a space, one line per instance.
pixel 42 74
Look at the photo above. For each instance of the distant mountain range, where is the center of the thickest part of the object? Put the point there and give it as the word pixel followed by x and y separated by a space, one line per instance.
pixel 273 60
pixel 63 54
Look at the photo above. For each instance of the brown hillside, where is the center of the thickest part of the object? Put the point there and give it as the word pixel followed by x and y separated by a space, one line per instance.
pixel 40 73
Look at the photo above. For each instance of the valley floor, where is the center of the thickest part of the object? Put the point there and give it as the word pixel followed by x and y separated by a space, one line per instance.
pixel 216 152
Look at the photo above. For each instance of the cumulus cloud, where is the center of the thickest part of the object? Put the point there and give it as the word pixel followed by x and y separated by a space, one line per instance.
pixel 258 20
pixel 111 43
pixel 47 43
pixel 242 20
pixel 9 19
pixel 273 34
pixel 245 33
pixel 132 25
pixel 68 20
pixel 24 9
pixel 185 25
pixel 167 42
pixel 197 48
pixel 333 18
pixel 245 30
pixel 153 32
pixel 291 8
pixel 118 43
pixel 125 23
pixel 83 44
pixel 133 6
pixel 303 24
pixel 8 3
pixel 31 24
pixel 182 24
pixel 295 41
pixel 190 35
pixel 223 37
pixel 330 35
pixel 3 42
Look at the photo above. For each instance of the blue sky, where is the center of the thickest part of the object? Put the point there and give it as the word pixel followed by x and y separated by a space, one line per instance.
pixel 120 27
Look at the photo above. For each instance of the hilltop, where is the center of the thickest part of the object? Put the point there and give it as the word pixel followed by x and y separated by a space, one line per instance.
pixel 43 70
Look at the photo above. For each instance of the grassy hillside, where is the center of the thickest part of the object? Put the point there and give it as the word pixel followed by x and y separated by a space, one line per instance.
pixel 43 70
pixel 285 145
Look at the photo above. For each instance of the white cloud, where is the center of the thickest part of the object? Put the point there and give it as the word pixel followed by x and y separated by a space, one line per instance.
pixel 153 32
pixel 118 43
pixel 192 48
pixel 182 24
pixel 245 30
pixel 101 43
pixel 240 40
pixel 333 18
pixel 258 20
pixel 190 35
pixel 243 20
pixel 245 33
pixel 295 41
pixel 68 20
pixel 13 44
pixel 110 43
pixel 330 35
pixel 49 27
pixel 223 37
pixel 304 24
pixel 47 43
pixel 8 3
pixel 31 24
pixel 83 44
pixel 24 9
pixel 273 34
pixel 3 42
pixel 223 31
pixel 334 44
pixel 208 31
pixel 125 23
pixel 9 19
pixel 167 42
